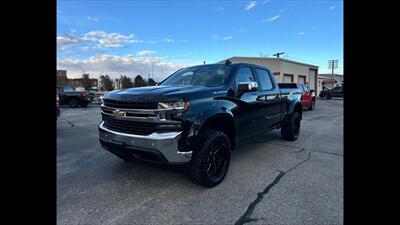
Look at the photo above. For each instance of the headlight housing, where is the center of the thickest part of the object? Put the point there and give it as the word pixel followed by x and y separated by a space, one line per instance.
pixel 176 105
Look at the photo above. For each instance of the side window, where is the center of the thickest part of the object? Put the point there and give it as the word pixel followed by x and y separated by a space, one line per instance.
pixel 68 89
pixel 244 75
pixel 264 78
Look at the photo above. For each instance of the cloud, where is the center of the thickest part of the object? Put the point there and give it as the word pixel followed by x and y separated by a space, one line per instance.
pixel 152 42
pixel 214 36
pixel 250 5
pixel 168 40
pixel 88 48
pixel 242 30
pixel 145 53
pixel 271 19
pixel 332 7
pixel 302 33
pixel 96 40
pixel 95 19
pixel 227 38
pixel 70 38
pixel 111 40
pixel 115 65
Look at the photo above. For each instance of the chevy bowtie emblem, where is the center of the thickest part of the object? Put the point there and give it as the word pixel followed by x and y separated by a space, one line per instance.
pixel 118 113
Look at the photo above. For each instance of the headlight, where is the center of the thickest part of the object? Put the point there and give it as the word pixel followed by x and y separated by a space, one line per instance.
pixel 180 105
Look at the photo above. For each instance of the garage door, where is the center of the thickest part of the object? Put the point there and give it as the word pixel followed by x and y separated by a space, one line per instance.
pixel 312 79
pixel 288 78
pixel 302 79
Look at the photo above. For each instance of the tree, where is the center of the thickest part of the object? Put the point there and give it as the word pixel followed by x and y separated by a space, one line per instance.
pixel 139 82
pixel 152 82
pixel 106 83
pixel 126 82
pixel 86 83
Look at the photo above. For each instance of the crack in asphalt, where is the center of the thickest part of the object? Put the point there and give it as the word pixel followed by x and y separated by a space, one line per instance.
pixel 330 153
pixel 312 150
pixel 72 125
pixel 246 217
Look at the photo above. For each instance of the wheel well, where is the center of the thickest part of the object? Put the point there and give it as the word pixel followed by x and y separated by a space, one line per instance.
pixel 298 108
pixel 223 123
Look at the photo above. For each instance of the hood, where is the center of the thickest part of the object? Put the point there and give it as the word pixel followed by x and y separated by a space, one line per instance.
pixel 163 93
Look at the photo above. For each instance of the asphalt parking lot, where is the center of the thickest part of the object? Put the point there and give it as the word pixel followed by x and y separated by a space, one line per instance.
pixel 270 181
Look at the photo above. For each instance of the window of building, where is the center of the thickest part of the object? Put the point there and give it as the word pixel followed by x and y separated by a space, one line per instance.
pixel 288 78
pixel 302 79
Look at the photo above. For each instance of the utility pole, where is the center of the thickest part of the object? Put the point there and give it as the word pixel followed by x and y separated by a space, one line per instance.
pixel 278 54
pixel 152 67
pixel 333 64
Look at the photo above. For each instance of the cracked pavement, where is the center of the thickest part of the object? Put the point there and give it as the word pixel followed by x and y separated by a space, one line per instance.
pixel 270 181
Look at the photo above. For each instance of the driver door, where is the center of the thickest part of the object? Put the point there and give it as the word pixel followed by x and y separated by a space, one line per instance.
pixel 249 110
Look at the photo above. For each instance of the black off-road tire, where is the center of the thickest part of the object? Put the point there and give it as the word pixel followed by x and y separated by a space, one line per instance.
pixel 312 106
pixel 199 166
pixel 291 130
pixel 73 103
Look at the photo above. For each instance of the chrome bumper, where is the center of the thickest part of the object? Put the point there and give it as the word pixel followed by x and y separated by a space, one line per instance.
pixel 164 143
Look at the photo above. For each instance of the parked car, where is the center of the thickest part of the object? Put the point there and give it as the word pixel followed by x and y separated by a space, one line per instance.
pixel 73 98
pixel 337 91
pixel 80 89
pixel 92 93
pixel 58 112
pixel 307 94
pixel 197 115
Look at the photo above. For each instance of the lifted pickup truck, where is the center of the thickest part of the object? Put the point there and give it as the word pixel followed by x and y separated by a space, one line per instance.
pixel 196 115
pixel 73 98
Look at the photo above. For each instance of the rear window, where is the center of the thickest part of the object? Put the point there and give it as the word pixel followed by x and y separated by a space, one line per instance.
pixel 68 89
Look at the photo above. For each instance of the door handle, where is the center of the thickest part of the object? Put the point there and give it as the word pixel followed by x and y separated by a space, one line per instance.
pixel 260 98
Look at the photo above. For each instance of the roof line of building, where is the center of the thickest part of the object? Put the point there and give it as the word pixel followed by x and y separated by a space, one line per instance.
pixel 270 58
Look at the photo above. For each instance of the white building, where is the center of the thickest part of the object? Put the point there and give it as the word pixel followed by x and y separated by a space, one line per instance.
pixel 338 77
pixel 285 70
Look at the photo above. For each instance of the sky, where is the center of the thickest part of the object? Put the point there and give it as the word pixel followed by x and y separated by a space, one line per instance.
pixel 156 38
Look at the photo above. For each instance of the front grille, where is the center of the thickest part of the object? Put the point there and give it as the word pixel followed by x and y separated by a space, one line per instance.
pixel 130 105
pixel 129 127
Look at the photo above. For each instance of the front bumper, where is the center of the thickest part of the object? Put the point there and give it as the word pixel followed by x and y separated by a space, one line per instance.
pixel 155 147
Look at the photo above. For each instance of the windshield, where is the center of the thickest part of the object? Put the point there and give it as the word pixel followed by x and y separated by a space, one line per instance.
pixel 209 76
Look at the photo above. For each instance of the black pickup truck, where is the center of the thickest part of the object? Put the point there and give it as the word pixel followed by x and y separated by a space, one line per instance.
pixel 196 115
pixel 69 96
pixel 337 91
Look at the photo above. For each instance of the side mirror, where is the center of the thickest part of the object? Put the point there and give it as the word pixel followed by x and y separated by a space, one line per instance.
pixel 247 86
